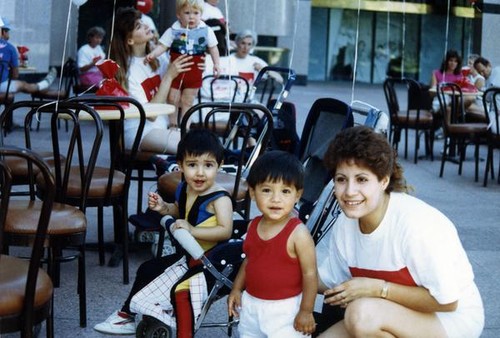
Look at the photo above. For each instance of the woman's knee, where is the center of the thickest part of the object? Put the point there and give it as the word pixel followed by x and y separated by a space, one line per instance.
pixel 362 317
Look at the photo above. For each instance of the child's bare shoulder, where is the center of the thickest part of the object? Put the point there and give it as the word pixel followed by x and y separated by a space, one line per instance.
pixel 222 193
pixel 302 232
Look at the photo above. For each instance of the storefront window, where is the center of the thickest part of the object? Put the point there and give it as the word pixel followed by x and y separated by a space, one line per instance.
pixel 388 44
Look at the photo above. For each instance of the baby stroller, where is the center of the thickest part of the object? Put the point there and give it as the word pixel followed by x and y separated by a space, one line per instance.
pixel 219 267
pixel 269 92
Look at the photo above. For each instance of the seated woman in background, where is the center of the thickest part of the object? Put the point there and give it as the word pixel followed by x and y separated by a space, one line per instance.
pixel 241 62
pixel 244 63
pixel 145 82
pixel 393 262
pixel 88 55
pixel 450 70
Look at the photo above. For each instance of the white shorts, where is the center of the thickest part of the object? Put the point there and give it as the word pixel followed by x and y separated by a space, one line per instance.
pixel 268 318
pixel 467 321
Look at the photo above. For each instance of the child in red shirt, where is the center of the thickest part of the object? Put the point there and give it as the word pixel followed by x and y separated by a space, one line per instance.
pixel 274 291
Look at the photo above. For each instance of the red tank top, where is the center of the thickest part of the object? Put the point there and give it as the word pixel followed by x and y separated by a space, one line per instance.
pixel 270 272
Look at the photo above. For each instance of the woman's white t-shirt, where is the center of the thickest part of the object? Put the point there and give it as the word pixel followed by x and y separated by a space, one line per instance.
pixel 143 84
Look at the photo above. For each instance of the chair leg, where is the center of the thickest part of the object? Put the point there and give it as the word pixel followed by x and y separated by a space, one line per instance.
pixel 53 266
pixel 462 152
pixel 124 225
pixel 406 143
pixel 492 170
pixel 431 144
pixel 476 159
pixel 49 323
pixel 82 287
pixel 487 167
pixel 443 157
pixel 140 187
pixel 100 235
pixel 417 146
pixel 38 120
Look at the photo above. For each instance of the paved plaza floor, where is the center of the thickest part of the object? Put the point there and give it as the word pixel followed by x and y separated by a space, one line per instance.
pixel 475 210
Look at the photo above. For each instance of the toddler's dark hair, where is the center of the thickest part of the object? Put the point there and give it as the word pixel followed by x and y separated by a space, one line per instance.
pixel 197 142
pixel 274 166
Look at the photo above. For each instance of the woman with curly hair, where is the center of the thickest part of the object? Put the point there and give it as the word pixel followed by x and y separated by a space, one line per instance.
pixel 394 263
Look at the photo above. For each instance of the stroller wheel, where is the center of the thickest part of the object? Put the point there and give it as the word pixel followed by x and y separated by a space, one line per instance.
pixel 151 327
pixel 140 331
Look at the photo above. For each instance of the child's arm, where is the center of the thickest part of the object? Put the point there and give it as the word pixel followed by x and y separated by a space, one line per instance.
pixel 234 299
pixel 159 49
pixel 214 53
pixel 156 203
pixel 222 231
pixel 306 254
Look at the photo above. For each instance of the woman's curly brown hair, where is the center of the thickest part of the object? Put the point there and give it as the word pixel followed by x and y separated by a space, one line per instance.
pixel 367 149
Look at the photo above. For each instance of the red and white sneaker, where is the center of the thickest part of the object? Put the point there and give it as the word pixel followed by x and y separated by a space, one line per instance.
pixel 118 323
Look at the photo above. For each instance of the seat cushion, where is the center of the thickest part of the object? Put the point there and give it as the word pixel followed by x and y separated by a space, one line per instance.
pixel 468 128
pixel 19 166
pixel 98 184
pixel 22 218
pixel 13 275
pixel 425 119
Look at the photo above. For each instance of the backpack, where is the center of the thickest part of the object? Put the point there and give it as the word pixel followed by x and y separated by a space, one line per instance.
pixel 284 136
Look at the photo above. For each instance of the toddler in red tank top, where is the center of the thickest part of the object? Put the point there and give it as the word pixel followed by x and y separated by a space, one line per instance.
pixel 274 291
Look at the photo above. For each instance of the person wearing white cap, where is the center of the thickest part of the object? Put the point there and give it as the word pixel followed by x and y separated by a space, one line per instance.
pixel 9 55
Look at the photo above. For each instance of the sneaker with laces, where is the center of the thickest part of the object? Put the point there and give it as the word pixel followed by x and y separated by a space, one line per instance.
pixel 118 323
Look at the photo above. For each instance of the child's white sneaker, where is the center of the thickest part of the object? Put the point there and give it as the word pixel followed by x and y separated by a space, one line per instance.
pixel 118 323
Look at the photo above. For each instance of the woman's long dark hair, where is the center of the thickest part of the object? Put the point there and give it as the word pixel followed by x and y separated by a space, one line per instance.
pixel 121 51
pixel 452 54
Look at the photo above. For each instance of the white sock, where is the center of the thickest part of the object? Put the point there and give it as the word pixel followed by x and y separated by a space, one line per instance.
pixel 47 81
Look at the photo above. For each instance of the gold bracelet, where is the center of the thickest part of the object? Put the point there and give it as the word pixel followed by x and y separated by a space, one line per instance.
pixel 385 290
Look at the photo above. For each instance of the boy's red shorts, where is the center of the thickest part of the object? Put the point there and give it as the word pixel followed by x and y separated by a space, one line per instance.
pixel 190 79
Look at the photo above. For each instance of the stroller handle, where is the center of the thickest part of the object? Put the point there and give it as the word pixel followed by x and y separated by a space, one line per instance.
pixel 189 243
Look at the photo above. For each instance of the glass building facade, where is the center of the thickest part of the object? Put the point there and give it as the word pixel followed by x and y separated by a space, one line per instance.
pixel 394 38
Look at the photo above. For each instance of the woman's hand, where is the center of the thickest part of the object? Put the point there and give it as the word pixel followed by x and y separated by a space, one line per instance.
pixel 201 65
pixel 180 65
pixel 355 288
